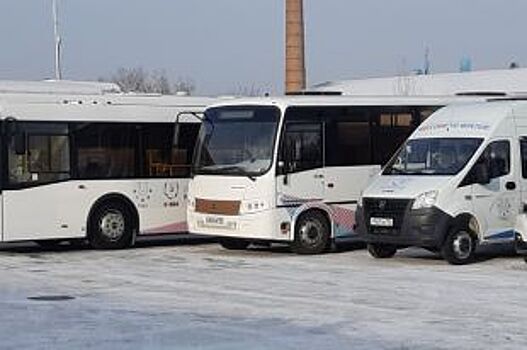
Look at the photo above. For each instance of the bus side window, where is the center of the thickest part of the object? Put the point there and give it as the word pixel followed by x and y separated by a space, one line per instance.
pixel 162 157
pixel 523 147
pixel 46 158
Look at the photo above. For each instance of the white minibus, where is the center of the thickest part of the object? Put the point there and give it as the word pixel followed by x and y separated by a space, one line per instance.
pixel 456 183
pixel 291 169
pixel 102 167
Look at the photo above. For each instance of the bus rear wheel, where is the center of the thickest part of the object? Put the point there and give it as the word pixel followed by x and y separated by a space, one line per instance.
pixel 381 251
pixel 111 226
pixel 312 234
pixel 234 243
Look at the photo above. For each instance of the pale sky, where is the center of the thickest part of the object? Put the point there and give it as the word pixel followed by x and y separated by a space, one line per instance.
pixel 227 45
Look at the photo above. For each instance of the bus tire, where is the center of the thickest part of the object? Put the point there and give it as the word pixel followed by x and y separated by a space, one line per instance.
pixel 234 243
pixel 381 251
pixel 312 234
pixel 111 226
pixel 459 246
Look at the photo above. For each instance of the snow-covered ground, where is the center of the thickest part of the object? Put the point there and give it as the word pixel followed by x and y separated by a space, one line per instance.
pixel 199 296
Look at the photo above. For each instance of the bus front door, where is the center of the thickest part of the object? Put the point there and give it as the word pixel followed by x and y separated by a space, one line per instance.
pixel 301 175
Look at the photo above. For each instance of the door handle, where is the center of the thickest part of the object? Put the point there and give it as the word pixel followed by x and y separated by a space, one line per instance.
pixel 511 185
pixel 331 185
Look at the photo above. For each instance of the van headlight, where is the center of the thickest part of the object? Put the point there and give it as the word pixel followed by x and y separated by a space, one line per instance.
pixel 425 200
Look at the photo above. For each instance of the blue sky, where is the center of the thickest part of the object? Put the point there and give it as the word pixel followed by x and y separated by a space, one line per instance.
pixel 225 45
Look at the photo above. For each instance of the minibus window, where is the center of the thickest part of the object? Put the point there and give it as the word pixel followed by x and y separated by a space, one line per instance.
pixel 523 146
pixel 433 156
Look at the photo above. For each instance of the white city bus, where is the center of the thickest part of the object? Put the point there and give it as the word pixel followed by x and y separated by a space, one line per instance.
pixel 102 167
pixel 292 169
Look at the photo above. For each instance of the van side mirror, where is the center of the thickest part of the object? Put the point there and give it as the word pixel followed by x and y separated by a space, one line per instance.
pixel 481 174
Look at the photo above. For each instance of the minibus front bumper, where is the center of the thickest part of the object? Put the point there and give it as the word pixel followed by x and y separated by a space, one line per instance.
pixel 425 228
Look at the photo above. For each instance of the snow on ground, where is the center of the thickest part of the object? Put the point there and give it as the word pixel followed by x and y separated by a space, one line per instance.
pixel 177 295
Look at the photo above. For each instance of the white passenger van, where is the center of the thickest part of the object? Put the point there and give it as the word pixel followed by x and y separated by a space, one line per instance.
pixel 457 182
pixel 93 165
pixel 291 169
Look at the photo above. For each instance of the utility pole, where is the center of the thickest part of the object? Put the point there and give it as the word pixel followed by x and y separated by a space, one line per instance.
pixel 58 42
pixel 295 71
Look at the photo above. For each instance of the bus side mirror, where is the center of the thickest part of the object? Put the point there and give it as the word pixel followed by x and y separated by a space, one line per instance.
pixel 19 140
pixel 481 174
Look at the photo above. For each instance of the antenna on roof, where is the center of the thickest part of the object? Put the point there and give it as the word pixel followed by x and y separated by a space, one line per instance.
pixel 58 42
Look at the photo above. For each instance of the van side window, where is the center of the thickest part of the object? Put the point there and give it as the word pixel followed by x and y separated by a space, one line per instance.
pixel 497 157
pixel 302 148
pixel 523 147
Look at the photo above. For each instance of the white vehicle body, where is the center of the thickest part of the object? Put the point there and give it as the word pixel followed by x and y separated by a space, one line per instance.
pixel 322 152
pixel 76 151
pixel 437 181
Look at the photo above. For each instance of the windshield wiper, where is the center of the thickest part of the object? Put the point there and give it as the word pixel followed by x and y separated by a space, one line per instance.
pixel 231 169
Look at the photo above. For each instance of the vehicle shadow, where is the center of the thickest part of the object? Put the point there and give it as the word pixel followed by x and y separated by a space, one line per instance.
pixel 81 245
pixel 483 253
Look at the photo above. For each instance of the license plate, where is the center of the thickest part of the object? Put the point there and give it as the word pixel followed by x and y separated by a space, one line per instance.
pixel 382 222
pixel 211 220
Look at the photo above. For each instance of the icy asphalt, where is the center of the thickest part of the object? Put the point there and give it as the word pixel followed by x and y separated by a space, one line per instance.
pixel 183 295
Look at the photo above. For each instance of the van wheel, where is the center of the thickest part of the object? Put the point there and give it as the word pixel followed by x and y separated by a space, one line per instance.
pixel 111 226
pixel 234 244
pixel 459 246
pixel 312 234
pixel 381 251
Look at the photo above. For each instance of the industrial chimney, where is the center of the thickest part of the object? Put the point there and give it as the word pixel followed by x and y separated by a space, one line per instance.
pixel 295 71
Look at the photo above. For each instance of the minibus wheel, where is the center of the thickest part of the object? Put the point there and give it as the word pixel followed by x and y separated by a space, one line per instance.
pixel 381 251
pixel 111 226
pixel 459 246
pixel 234 244
pixel 312 234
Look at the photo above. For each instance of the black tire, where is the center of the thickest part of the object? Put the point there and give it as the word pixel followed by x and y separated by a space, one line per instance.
pixel 459 246
pixel 111 226
pixel 234 244
pixel 381 251
pixel 312 234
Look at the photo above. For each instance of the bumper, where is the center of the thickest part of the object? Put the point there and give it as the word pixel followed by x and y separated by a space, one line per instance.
pixel 521 245
pixel 263 226
pixel 421 228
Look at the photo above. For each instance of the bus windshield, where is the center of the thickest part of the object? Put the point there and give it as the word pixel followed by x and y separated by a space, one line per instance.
pixel 433 156
pixel 237 141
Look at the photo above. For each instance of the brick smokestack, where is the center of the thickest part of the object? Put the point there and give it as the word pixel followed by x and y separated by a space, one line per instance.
pixel 295 71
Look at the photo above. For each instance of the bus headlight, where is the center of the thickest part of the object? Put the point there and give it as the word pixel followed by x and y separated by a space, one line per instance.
pixel 253 206
pixel 425 200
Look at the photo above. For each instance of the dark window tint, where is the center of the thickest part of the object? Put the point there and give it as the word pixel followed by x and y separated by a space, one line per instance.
pixel 105 150
pixel 497 156
pixel 523 146
pixel 302 148
pixel 348 140
pixel 39 153
pixel 165 156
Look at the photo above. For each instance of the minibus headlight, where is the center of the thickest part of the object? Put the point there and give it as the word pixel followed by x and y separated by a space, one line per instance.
pixel 425 200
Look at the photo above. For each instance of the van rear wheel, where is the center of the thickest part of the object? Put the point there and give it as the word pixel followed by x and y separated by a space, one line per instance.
pixel 459 246
pixel 381 251
pixel 312 234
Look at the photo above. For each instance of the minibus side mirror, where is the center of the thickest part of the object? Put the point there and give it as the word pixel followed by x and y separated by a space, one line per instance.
pixel 481 174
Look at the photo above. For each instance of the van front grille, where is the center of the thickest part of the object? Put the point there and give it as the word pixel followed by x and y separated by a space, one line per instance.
pixel 385 208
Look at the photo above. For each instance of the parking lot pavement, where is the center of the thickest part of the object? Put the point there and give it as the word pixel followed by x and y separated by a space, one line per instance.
pixel 185 295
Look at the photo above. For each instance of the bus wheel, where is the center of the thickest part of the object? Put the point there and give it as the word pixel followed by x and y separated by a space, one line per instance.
pixel 111 226
pixel 459 246
pixel 381 251
pixel 312 234
pixel 234 243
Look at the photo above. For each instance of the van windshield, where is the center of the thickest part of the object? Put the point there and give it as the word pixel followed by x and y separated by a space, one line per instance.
pixel 433 156
pixel 237 141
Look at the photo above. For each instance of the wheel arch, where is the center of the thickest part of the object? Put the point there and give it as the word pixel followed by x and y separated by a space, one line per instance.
pixel 305 210
pixel 115 197
pixel 468 220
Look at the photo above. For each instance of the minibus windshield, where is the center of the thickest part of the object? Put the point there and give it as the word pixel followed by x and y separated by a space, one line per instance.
pixel 237 141
pixel 433 156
